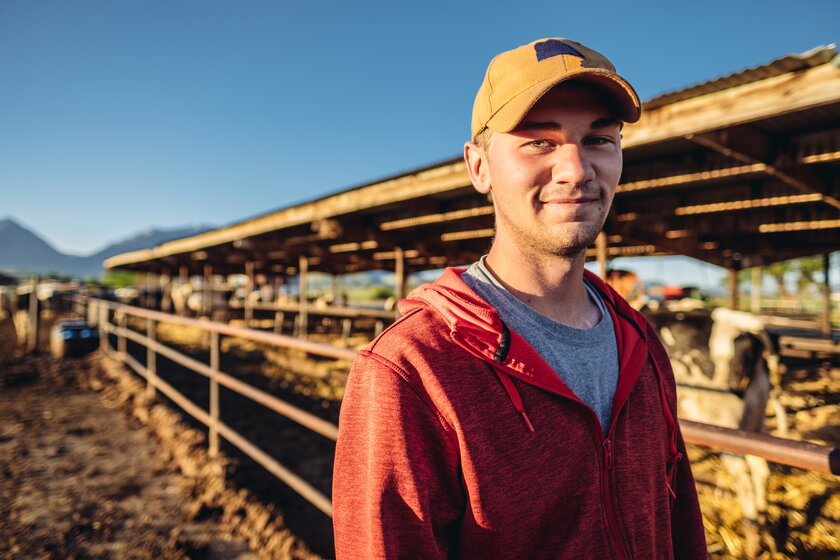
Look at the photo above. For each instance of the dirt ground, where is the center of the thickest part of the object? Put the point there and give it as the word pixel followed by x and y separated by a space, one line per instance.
pixel 803 516
pixel 802 520
pixel 161 496
pixel 79 479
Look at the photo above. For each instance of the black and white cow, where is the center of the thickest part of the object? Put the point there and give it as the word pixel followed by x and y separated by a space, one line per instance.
pixel 726 370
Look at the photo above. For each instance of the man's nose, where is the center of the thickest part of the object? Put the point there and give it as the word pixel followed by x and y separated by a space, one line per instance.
pixel 571 165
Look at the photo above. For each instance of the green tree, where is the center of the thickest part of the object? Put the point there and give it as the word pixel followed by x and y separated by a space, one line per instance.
pixel 778 271
pixel 118 278
pixel 807 267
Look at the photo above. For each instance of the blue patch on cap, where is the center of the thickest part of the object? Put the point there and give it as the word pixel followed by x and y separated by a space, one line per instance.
pixel 554 47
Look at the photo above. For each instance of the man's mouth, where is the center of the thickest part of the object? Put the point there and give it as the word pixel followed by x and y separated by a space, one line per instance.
pixel 570 200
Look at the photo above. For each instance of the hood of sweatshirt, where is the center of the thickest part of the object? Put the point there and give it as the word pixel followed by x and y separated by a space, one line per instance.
pixel 476 327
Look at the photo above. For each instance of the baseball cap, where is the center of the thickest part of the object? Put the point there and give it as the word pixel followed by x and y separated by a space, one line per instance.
pixel 517 79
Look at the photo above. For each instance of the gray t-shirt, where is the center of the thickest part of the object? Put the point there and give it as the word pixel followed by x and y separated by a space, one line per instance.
pixel 585 359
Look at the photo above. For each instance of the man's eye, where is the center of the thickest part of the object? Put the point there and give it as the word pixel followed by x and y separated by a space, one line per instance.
pixel 540 144
pixel 599 141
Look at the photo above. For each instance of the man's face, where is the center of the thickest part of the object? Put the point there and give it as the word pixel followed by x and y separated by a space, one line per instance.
pixel 553 178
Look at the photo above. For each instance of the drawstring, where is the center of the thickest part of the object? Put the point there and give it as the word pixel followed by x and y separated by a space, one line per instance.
pixel 500 356
pixel 515 397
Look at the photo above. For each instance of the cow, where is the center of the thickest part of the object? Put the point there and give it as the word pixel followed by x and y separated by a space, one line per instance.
pixel 726 368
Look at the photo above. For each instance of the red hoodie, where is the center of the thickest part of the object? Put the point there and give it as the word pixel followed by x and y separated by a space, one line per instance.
pixel 457 440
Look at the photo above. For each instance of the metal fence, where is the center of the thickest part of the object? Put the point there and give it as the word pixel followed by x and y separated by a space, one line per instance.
pixel 810 456
pixel 104 311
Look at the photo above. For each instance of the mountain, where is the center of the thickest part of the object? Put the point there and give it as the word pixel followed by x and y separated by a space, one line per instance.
pixel 146 240
pixel 24 252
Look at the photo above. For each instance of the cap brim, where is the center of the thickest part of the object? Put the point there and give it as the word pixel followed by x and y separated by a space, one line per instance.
pixel 514 111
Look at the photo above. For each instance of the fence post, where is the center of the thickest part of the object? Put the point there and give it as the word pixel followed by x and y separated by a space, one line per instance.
pixel 102 309
pixel 346 325
pixel 214 394
pixel 34 315
pixel 249 287
pixel 303 300
pixel 826 318
pixel 120 338
pixel 151 359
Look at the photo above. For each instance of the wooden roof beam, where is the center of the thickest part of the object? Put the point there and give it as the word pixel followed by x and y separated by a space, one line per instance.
pixel 786 93
pixel 753 148
pixel 690 245
pixel 437 218
pixel 692 178
pixel 441 178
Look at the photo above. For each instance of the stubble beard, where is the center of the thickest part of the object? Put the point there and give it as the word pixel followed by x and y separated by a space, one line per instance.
pixel 570 241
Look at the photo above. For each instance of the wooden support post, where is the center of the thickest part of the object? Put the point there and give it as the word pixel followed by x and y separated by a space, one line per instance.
pixel 207 298
pixel 399 273
pixel 346 325
pixel 826 322
pixel 733 288
pixel 165 287
pixel 183 280
pixel 142 284
pixel 214 394
pixel 755 290
pixel 601 254
pixel 151 359
pixel 150 300
pixel 278 286
pixel 32 332
pixel 121 345
pixel 279 317
pixel 303 315
pixel 92 312
pixel 102 321
pixel 334 288
pixel 378 328
pixel 249 288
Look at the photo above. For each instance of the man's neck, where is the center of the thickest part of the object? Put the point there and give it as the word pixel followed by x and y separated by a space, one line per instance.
pixel 550 284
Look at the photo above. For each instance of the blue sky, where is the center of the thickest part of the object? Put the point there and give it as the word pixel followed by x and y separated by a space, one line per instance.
pixel 117 116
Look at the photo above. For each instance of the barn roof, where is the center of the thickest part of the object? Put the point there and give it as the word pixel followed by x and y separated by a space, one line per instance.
pixel 738 171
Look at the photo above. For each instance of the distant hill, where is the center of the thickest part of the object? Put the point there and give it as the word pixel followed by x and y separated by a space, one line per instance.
pixel 24 252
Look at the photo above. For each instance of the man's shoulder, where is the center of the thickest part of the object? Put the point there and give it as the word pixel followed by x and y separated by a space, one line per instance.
pixel 418 331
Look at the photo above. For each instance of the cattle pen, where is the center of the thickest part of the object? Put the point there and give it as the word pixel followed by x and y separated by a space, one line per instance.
pixel 800 454
pixel 122 325
pixel 740 172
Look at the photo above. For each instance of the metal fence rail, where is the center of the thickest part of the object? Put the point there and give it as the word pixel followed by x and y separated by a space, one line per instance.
pixel 210 418
pixel 810 456
pixel 801 454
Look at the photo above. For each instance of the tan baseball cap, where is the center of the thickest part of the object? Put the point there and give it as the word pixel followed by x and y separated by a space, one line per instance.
pixel 516 80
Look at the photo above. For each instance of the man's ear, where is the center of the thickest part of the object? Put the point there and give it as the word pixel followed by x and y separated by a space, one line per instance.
pixel 477 167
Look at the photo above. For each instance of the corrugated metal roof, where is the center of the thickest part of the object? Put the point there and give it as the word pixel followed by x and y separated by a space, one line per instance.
pixel 813 118
pixel 790 63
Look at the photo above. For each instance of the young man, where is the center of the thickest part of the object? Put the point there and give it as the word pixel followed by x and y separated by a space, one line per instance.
pixel 520 408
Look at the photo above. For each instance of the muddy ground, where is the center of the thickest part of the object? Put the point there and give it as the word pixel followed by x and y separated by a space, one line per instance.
pixel 241 498
pixel 803 517
pixel 80 479
pixel 90 468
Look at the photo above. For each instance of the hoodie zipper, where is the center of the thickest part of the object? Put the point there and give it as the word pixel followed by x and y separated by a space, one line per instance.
pixel 606 458
pixel 606 497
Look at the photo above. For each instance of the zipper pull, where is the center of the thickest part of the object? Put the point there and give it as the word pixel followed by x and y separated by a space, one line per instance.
pixel 607 453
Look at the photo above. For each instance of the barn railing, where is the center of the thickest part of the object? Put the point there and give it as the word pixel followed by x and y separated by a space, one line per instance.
pixel 302 313
pixel 102 311
pixel 804 455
